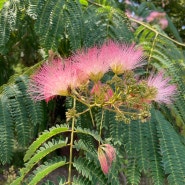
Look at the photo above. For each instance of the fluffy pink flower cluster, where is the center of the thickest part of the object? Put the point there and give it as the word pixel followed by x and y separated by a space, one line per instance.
pixel 159 17
pixel 61 77
pixel 55 78
pixel 122 57
pixel 165 91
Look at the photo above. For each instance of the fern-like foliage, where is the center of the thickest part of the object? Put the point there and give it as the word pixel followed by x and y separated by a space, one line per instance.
pixel 9 19
pixel 7 131
pixel 20 117
pixel 133 172
pixel 90 152
pixel 131 141
pixel 116 130
pixel 43 138
pixel 64 17
pixel 45 169
pixel 89 170
pixel 46 144
pixel 40 149
pixel 153 153
pixel 142 143
pixel 61 21
pixel 80 181
pixel 172 150
pixel 105 23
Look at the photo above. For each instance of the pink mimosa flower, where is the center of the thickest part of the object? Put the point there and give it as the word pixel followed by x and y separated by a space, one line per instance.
pixel 164 91
pixel 55 78
pixel 153 15
pixel 160 17
pixel 91 63
pixel 164 23
pixel 122 57
pixel 106 155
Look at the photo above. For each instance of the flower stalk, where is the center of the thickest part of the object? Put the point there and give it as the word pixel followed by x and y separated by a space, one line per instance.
pixel 71 145
pixel 101 124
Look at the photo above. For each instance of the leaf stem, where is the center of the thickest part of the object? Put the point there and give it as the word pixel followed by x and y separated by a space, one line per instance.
pixel 101 124
pixel 152 29
pixel 89 108
pixel 71 146
pixel 153 45
pixel 90 111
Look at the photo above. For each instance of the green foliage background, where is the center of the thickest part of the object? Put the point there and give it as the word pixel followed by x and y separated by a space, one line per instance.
pixel 28 29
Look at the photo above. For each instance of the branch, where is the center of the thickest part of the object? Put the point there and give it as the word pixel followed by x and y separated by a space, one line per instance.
pixel 158 33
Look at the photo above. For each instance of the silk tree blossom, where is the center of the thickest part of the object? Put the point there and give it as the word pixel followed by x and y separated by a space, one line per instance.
pixel 159 17
pixel 122 57
pixel 91 63
pixel 106 155
pixel 164 90
pixel 163 23
pixel 155 15
pixel 55 78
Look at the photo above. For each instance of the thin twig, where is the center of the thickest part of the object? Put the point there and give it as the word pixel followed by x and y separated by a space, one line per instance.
pixel 152 29
pixel 101 124
pixel 71 145
pixel 152 49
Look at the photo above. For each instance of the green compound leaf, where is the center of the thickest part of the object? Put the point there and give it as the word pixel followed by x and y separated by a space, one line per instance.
pixel 89 170
pixel 172 151
pixel 43 151
pixel 44 137
pixel 43 170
